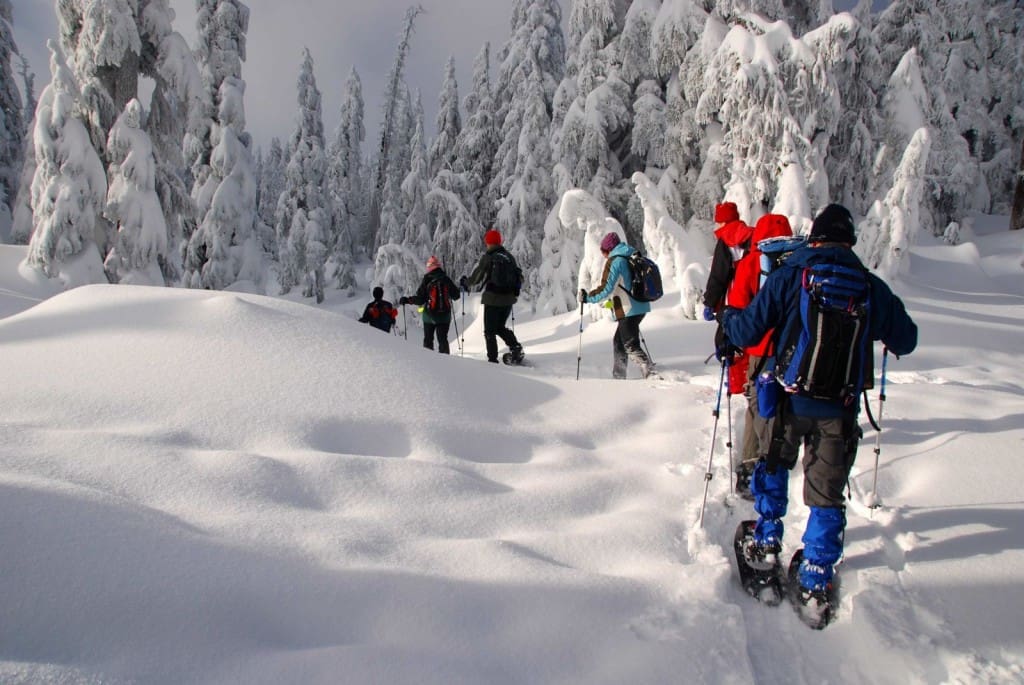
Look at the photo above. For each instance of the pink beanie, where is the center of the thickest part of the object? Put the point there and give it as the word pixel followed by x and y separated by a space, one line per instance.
pixel 609 242
pixel 433 263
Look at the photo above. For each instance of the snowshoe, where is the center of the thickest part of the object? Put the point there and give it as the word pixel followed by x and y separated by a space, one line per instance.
pixel 760 570
pixel 816 608
pixel 514 357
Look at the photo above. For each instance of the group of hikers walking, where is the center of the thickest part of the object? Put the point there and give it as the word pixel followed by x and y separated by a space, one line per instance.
pixel 796 318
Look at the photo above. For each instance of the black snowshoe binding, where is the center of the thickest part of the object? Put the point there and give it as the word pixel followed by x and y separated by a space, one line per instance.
pixel 743 476
pixel 514 357
pixel 816 608
pixel 759 567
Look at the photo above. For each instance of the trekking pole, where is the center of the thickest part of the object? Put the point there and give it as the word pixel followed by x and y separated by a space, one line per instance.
pixel 405 324
pixel 579 347
pixel 462 341
pixel 728 402
pixel 646 350
pixel 878 428
pixel 456 323
pixel 714 433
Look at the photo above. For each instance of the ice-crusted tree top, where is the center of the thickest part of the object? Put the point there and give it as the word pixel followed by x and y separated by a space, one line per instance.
pixel 12 128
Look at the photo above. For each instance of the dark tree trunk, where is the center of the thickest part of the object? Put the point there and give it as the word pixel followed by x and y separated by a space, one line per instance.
pixel 1017 213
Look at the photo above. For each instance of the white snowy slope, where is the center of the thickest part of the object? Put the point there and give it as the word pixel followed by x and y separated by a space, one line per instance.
pixel 201 487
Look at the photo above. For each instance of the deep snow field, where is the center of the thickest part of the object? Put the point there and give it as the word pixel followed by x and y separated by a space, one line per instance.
pixel 201 487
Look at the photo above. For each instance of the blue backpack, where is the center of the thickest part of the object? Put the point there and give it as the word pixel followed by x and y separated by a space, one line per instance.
pixel 828 356
pixel 774 252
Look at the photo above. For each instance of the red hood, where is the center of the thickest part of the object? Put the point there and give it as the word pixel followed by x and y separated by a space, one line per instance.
pixel 771 226
pixel 734 233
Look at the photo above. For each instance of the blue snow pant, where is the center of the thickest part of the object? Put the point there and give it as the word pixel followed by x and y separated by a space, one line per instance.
pixel 830 448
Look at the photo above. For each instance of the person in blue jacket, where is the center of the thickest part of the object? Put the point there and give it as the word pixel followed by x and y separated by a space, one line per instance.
pixel 616 280
pixel 828 429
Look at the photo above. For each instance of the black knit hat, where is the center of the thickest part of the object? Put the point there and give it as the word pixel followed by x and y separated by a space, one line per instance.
pixel 378 293
pixel 834 225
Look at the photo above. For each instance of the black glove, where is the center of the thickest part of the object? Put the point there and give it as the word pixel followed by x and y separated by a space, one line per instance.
pixel 725 313
pixel 464 283
pixel 583 295
pixel 726 350
pixel 403 300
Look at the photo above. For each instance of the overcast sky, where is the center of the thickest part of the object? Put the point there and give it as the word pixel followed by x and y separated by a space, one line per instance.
pixel 341 34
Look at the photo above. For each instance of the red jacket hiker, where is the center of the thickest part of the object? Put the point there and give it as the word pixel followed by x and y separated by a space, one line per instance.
pixel 747 279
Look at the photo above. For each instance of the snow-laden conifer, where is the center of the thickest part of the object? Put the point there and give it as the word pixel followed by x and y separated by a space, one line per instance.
pixel 535 51
pixel 849 47
pixel 224 192
pixel 893 224
pixel 303 219
pixel 449 123
pixel 101 41
pixel 133 206
pixel 681 256
pixel 580 211
pixel 12 131
pixel 522 210
pixel 954 179
pixel 271 185
pixel 175 111
pixel 457 234
pixel 418 236
pixel 345 179
pixel 393 126
pixel 477 145
pixel 69 185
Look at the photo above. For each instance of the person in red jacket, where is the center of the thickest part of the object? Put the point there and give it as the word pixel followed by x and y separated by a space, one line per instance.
pixel 745 284
pixel 733 243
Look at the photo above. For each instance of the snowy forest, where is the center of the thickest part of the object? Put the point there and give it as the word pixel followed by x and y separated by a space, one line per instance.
pixel 640 114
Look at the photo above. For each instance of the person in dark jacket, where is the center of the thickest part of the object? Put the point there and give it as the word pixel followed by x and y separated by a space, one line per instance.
pixel 497 299
pixel 380 313
pixel 827 429
pixel 435 296
pixel 616 279
pixel 733 243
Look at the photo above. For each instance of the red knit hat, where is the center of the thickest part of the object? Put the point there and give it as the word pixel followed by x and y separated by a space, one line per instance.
pixel 726 212
pixel 492 237
pixel 433 263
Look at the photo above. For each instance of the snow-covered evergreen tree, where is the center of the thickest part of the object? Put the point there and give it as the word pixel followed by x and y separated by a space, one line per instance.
pixel 449 123
pixel 393 125
pixel 522 211
pixel 418 237
pixel 580 211
pixel 304 210
pixel 955 182
pixel 457 234
pixel 592 138
pixel 12 128
pixel 69 185
pixel 681 256
pixel 271 185
pixel 103 48
pixel 132 203
pixel 345 179
pixel 1017 209
pixel 477 145
pixel 28 86
pixel 892 225
pixel 224 193
pixel 175 109
pixel 848 46
pixel 535 53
